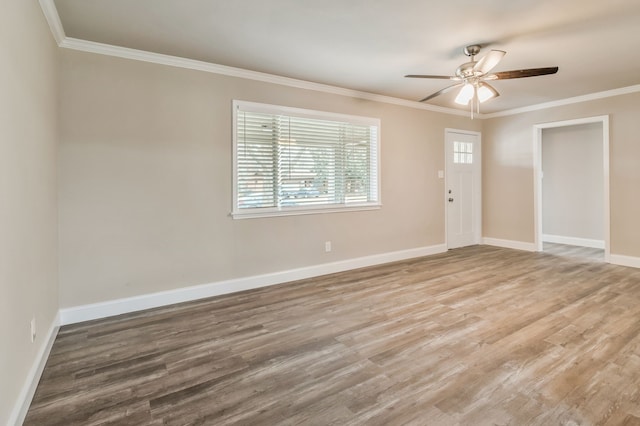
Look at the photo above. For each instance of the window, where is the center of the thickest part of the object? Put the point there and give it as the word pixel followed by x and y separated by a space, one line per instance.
pixel 295 161
pixel 463 152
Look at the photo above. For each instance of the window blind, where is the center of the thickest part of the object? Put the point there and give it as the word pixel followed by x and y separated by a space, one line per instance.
pixel 289 162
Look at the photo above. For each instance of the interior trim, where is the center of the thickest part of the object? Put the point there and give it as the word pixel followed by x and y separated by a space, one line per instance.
pixel 573 241
pixel 516 245
pixel 25 397
pixel 175 61
pixel 53 19
pixel 622 260
pixel 153 300
pixel 606 176
pixel 51 14
pixel 567 101
pixel 55 24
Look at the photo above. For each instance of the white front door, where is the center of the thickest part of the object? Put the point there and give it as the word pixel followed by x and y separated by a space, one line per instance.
pixel 463 193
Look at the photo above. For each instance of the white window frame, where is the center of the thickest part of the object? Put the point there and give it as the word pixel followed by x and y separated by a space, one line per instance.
pixel 237 213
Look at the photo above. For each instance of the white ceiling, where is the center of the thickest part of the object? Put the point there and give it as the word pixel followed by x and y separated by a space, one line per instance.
pixel 369 45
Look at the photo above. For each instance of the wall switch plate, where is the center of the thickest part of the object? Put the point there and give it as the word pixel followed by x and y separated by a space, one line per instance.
pixel 440 174
pixel 327 246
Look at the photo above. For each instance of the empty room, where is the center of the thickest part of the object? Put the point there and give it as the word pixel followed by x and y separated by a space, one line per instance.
pixel 319 213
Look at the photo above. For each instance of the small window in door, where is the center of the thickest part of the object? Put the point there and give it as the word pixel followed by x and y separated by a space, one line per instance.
pixel 463 152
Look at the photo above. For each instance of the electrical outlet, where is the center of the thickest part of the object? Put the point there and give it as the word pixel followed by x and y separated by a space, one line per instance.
pixel 327 246
pixel 33 329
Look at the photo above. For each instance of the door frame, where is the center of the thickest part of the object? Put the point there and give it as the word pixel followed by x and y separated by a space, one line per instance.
pixel 477 214
pixel 537 176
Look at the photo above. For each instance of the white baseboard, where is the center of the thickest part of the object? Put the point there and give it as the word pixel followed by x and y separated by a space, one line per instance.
pixel 33 378
pixel 517 245
pixel 573 241
pixel 131 304
pixel 619 259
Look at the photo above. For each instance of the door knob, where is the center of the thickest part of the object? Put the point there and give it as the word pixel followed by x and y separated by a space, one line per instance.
pixel 451 200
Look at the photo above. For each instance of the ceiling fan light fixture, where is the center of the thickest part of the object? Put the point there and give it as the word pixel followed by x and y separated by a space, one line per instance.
pixel 465 95
pixel 486 92
pixel 473 76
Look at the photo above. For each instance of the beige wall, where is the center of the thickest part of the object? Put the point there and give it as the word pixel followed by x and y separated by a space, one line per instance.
pixel 145 182
pixel 144 189
pixel 508 170
pixel 28 214
pixel 573 182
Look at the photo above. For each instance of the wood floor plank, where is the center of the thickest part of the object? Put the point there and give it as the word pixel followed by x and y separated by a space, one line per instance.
pixel 478 335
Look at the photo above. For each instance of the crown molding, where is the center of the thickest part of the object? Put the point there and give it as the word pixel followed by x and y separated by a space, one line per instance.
pixel 567 101
pixel 53 19
pixel 51 14
pixel 175 61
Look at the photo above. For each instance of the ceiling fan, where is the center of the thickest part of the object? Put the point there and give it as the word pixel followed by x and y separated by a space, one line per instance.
pixel 472 77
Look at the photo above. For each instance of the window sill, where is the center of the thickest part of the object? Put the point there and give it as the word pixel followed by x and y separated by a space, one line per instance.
pixel 257 213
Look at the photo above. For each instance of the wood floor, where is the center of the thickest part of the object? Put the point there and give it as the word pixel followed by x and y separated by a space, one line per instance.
pixel 574 252
pixel 476 336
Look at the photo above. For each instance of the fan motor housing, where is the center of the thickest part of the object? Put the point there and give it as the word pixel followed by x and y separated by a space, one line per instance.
pixel 466 70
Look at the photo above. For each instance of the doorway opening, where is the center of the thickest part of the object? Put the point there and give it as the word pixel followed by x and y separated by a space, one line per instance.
pixel 571 188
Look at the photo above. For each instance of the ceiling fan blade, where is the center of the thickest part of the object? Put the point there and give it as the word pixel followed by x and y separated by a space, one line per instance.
pixel 531 72
pixel 489 61
pixel 441 91
pixel 442 77
pixel 490 92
